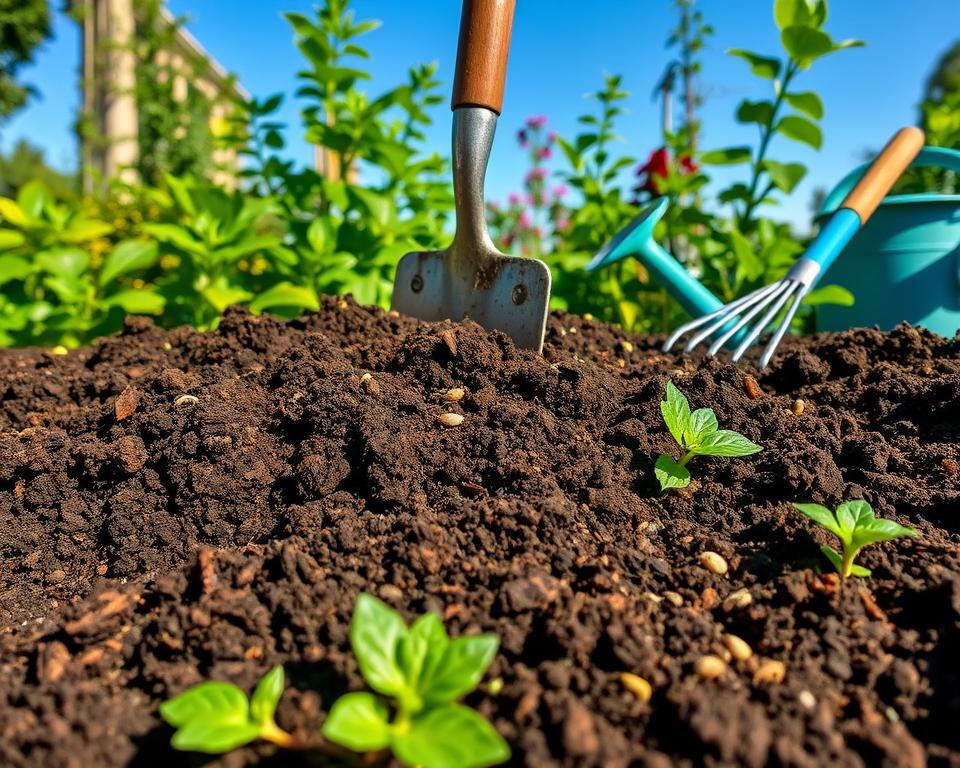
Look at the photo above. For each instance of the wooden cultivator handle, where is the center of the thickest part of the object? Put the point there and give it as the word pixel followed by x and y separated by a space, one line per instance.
pixel 482 53
pixel 883 172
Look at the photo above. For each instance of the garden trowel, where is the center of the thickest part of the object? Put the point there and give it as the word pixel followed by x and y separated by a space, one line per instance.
pixel 471 278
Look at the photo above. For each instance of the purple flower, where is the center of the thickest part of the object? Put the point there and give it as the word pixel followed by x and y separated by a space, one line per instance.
pixel 537 121
pixel 522 139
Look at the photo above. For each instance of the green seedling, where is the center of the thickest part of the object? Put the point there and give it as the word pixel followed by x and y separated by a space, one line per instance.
pixel 697 434
pixel 424 672
pixel 855 524
pixel 215 717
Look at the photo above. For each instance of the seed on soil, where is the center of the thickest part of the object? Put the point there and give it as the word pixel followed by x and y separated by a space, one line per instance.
pixel 626 346
pixel 770 672
pixel 710 667
pixel 186 400
pixel 390 592
pixel 737 600
pixel 950 467
pixel 59 350
pixel 714 563
pixel 751 387
pixel 797 407
pixel 806 699
pixel 370 384
pixel 637 686
pixel 495 686
pixel 738 647
pixel 450 419
pixel 454 395
pixel 674 598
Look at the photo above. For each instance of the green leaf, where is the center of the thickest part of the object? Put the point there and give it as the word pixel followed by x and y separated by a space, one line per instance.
pixel 820 515
pixel 221 295
pixel 830 294
pixel 833 556
pixel 760 112
pixel 451 736
pixel 10 211
pixel 676 412
pixel 729 156
pixel 375 634
pixel 13 268
pixel 847 515
pixel 33 199
pixel 800 129
pixel 459 670
pixel 10 238
pixel 785 176
pixel 286 294
pixel 805 44
pixel 81 230
pixel 266 696
pixel 128 256
pixel 137 301
pixel 726 442
pixel 788 13
pixel 203 701
pixel 762 66
pixel 358 721
pixel 807 102
pixel 215 735
pixel 64 262
pixel 702 422
pixel 670 474
pixel 878 530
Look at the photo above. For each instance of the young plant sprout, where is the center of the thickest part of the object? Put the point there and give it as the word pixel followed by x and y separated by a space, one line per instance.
pixel 697 434
pixel 215 717
pixel 424 672
pixel 855 524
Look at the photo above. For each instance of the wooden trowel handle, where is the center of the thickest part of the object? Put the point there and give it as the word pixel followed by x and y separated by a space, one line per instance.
pixel 482 53
pixel 883 172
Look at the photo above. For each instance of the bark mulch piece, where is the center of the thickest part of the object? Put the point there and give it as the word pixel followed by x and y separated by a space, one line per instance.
pixel 178 506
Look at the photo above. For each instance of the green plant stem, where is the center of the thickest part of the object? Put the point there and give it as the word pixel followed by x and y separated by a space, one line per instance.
pixel 766 135
pixel 846 562
pixel 686 457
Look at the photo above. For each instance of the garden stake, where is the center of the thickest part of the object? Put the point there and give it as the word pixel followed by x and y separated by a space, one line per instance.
pixel 472 278
pixel 856 208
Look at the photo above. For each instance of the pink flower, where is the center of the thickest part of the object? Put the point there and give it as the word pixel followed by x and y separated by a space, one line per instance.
pixel 524 220
pixel 560 190
pixel 537 121
pixel 544 153
pixel 553 136
pixel 513 198
pixel 537 174
pixel 562 224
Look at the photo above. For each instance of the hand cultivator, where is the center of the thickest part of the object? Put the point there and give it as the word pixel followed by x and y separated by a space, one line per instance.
pixel 730 324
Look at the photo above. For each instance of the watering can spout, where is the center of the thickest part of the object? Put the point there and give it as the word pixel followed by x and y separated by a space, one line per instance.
pixel 636 240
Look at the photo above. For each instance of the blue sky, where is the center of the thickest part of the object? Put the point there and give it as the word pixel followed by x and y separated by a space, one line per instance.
pixel 560 51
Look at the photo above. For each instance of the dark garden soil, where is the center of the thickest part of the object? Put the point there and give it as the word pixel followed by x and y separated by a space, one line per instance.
pixel 176 506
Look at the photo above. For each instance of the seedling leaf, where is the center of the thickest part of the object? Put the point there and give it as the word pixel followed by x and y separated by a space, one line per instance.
pixel 358 721
pixel 266 696
pixel 376 632
pixel 204 700
pixel 215 735
pixel 450 736
pixel 670 474
pixel 856 525
pixel 703 422
pixel 676 412
pixel 726 442
pixel 460 669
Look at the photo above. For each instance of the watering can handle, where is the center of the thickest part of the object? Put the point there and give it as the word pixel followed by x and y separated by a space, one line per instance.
pixel 928 157
pixel 883 172
pixel 485 27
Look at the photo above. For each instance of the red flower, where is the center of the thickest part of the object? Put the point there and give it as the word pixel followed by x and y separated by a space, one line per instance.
pixel 656 166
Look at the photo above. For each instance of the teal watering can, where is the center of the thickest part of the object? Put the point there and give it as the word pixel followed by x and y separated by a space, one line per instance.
pixel 734 324
pixel 904 264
